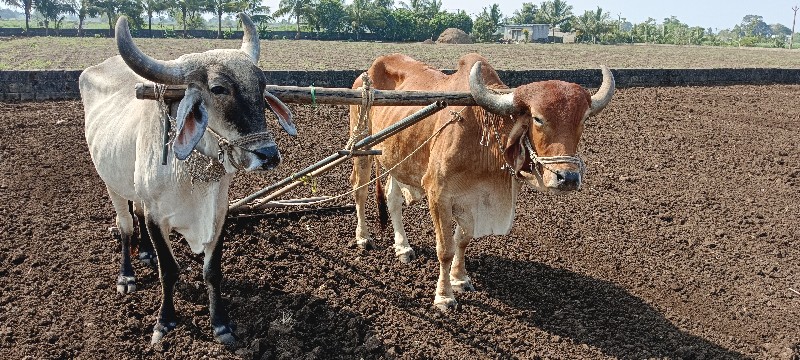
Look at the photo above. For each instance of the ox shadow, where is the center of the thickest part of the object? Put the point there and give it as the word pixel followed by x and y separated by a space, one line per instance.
pixel 272 323
pixel 347 334
pixel 590 311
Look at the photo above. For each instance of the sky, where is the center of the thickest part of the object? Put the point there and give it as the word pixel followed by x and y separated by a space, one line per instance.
pixel 716 14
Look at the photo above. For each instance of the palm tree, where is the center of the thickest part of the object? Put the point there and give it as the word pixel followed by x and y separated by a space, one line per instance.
pixel 27 6
pixel 360 13
pixel 258 13
pixel 593 23
pixel 556 12
pixel 87 8
pixel 153 7
pixel 220 7
pixel 51 9
pixel 14 3
pixel 189 9
pixel 297 8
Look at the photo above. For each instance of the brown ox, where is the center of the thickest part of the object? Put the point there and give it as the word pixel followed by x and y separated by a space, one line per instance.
pixel 472 170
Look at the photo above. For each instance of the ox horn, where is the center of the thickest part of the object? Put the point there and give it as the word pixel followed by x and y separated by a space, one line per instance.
pixel 250 43
pixel 495 103
pixel 604 94
pixel 164 72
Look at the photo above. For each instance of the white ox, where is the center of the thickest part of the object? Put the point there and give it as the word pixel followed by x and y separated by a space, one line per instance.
pixel 222 111
pixel 472 170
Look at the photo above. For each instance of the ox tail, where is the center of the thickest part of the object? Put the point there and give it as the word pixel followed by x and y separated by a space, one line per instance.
pixel 380 200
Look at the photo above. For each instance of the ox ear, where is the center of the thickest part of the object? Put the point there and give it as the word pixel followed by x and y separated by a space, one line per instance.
pixel 191 124
pixel 515 153
pixel 281 112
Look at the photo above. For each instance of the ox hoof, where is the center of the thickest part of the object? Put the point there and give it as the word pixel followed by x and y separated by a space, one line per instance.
pixel 365 244
pixel 462 285
pixel 445 304
pixel 126 284
pixel 224 335
pixel 161 330
pixel 405 255
pixel 148 258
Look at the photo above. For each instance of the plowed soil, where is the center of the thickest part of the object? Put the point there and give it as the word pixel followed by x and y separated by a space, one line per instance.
pixel 684 243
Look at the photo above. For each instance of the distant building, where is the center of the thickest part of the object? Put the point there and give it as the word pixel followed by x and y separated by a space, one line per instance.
pixel 516 32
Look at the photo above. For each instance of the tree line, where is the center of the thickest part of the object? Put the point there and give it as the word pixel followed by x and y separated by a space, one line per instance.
pixel 411 20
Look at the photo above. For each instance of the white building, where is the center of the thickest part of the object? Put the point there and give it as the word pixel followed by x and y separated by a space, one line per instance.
pixel 516 32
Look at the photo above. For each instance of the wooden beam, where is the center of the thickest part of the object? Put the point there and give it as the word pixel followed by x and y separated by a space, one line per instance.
pixel 338 96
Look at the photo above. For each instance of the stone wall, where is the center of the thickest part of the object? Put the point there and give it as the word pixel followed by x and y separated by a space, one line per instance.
pixel 37 85
pixel 178 33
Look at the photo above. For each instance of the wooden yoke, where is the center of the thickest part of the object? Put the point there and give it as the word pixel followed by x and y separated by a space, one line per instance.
pixel 338 96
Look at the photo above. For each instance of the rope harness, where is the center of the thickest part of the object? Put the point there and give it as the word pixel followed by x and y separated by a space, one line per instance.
pixel 489 124
pixel 547 160
pixel 202 167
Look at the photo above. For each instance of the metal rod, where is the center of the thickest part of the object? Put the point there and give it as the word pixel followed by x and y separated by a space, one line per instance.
pixel 291 181
pixel 266 200
pixel 360 152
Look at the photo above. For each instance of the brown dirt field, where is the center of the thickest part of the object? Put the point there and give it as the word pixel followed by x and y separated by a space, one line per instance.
pixel 682 244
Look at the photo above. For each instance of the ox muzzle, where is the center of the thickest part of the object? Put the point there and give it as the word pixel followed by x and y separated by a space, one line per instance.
pixel 553 174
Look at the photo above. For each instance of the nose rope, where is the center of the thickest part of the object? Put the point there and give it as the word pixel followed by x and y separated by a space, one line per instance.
pixel 546 160
pixel 227 146
pixel 205 168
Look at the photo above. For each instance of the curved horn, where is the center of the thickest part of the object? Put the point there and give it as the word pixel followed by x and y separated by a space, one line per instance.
pixel 250 43
pixel 163 72
pixel 604 94
pixel 495 103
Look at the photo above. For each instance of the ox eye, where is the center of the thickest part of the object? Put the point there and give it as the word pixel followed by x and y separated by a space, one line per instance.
pixel 219 90
pixel 538 120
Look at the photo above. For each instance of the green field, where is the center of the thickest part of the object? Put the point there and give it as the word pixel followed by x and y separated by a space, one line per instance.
pixel 42 53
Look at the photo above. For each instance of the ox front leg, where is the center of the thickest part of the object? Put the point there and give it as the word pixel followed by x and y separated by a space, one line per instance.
pixel 394 202
pixel 212 274
pixel 441 214
pixel 168 274
pixel 123 232
pixel 458 273
pixel 359 177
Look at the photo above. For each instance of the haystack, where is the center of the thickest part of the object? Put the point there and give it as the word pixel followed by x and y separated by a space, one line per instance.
pixel 428 41
pixel 454 36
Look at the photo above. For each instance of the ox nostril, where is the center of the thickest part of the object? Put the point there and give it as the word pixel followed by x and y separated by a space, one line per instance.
pixel 568 179
pixel 269 156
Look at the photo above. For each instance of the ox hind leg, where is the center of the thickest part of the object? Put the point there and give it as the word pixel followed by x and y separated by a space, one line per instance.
pixel 147 255
pixel 359 177
pixel 126 281
pixel 168 274
pixel 394 202
pixel 458 272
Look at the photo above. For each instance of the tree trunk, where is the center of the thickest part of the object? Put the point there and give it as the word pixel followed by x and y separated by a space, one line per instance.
pixel 150 23
pixel 297 37
pixel 184 23
pixel 219 24
pixel 27 18
pixel 80 25
pixel 110 26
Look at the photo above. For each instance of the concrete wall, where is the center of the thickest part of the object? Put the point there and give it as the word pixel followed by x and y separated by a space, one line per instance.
pixel 63 84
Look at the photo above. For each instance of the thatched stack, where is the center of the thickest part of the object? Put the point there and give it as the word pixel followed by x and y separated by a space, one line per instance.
pixel 454 36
